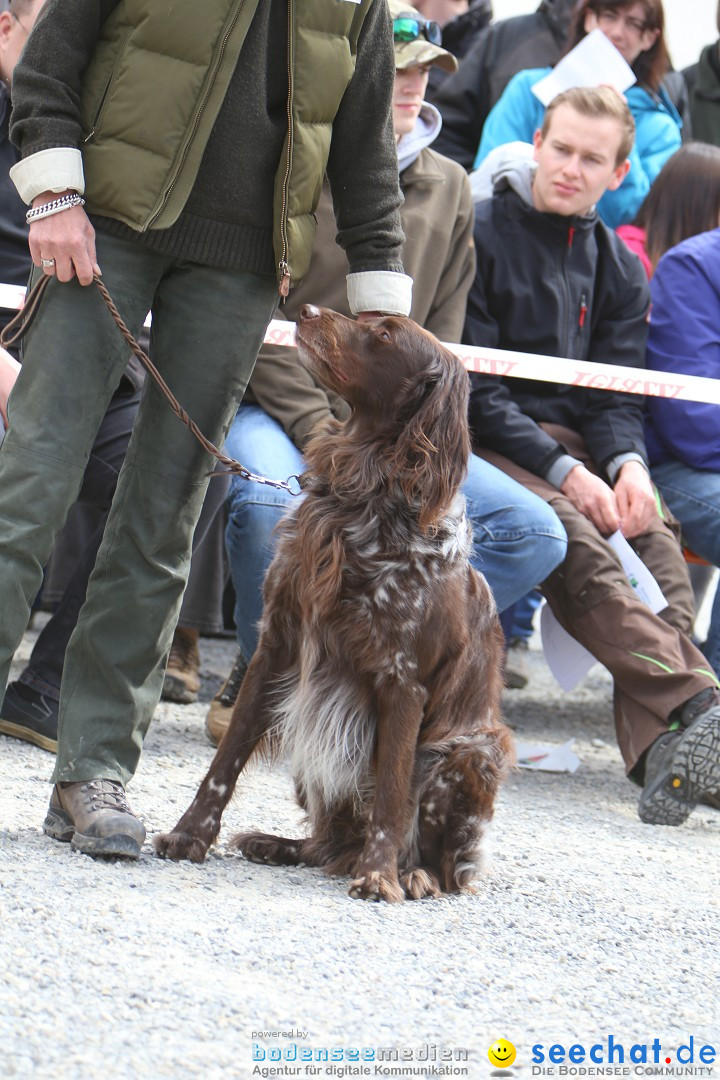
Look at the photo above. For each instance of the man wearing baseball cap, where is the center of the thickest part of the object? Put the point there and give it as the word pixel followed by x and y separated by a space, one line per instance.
pixel 417 40
pixel 515 536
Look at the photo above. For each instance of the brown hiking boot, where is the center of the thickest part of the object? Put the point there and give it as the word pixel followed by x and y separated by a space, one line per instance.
pixel 217 720
pixel 95 817
pixel 182 677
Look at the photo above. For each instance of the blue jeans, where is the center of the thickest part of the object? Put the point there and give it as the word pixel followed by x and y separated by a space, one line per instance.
pixel 518 538
pixel 693 495
pixel 522 620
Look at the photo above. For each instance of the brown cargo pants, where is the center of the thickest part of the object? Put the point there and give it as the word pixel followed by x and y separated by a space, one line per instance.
pixel 653 662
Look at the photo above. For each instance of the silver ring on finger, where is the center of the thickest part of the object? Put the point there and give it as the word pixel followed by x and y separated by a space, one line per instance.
pixel 47 263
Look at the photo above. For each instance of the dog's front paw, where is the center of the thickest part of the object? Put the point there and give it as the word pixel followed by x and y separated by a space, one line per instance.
pixel 181 845
pixel 376 886
pixel 419 884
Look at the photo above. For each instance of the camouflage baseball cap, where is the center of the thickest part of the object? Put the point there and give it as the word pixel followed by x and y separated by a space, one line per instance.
pixel 413 36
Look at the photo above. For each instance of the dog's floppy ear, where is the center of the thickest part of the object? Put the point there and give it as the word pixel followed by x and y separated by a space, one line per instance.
pixel 430 457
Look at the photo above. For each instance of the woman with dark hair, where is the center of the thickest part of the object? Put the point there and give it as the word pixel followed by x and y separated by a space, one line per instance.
pixel 636 29
pixel 683 201
pixel 676 234
pixel 639 35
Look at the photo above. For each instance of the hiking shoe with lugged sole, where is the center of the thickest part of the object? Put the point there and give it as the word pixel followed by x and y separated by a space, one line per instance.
pixel 94 817
pixel 682 768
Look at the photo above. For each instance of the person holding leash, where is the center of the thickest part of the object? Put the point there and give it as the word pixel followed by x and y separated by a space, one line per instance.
pixel 180 154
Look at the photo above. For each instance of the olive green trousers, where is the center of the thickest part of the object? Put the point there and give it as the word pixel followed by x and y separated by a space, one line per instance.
pixel 208 325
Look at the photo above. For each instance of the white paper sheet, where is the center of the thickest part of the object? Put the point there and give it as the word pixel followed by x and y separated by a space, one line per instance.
pixel 593 62
pixel 568 660
pixel 638 575
pixel 544 758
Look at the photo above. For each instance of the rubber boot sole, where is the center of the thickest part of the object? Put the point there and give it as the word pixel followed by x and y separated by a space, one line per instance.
pixel 176 689
pixel 59 826
pixel 693 773
pixel 18 731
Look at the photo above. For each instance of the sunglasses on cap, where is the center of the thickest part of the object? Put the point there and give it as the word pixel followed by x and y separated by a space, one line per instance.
pixel 406 28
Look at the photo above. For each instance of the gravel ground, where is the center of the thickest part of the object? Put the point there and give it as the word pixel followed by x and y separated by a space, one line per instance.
pixel 586 924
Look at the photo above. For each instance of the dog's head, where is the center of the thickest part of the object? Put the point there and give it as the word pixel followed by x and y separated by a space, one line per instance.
pixel 407 392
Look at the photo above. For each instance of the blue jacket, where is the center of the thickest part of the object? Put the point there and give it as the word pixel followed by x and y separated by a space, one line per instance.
pixel 684 336
pixel 518 114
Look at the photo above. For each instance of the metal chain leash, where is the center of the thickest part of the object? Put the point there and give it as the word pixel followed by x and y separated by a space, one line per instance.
pixel 19 325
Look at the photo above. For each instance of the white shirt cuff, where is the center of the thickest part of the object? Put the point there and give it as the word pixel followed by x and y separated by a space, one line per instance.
pixel 380 290
pixel 58 169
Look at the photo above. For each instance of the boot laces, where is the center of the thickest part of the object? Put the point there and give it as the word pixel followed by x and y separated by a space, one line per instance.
pixel 231 689
pixel 106 795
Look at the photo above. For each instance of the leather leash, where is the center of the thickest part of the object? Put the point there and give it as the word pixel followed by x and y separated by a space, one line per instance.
pixel 20 324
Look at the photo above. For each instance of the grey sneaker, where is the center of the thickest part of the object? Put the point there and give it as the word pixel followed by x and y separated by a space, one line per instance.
pixel 95 817
pixel 682 768
pixel 517 673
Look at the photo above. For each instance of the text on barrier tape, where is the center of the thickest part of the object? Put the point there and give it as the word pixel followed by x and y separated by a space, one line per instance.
pixel 554 369
pixel 518 365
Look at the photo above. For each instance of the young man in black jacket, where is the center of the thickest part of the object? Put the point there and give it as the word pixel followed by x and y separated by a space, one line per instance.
pixel 552 279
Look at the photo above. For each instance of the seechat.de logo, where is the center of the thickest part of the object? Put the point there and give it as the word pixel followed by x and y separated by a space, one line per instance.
pixel 610 1051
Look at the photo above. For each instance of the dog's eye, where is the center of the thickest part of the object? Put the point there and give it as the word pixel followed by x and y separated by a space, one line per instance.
pixel 384 335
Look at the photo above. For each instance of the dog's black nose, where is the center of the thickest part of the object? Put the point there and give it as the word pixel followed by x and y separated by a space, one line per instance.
pixel 308 311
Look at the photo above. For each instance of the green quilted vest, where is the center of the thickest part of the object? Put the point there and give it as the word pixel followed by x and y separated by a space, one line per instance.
pixel 155 86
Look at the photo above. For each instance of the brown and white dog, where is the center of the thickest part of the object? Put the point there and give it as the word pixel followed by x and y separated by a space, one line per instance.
pixel 378 668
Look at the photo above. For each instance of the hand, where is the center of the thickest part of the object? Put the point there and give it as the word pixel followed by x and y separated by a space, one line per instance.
pixel 9 369
pixel 593 498
pixel 68 238
pixel 635 499
pixel 366 316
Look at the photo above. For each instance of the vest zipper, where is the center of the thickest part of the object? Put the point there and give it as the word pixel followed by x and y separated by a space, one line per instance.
pixel 169 190
pixel 284 269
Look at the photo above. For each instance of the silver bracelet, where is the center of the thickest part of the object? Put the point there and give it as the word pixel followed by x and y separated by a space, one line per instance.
pixel 55 206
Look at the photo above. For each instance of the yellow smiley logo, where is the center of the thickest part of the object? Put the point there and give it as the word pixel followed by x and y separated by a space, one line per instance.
pixel 501 1053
